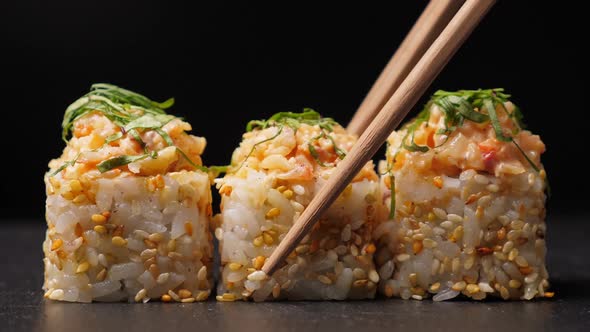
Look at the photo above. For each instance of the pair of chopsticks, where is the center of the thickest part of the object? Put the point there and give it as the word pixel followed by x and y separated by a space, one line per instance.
pixel 379 115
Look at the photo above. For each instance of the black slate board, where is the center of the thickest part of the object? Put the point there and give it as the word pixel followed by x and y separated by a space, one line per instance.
pixel 22 307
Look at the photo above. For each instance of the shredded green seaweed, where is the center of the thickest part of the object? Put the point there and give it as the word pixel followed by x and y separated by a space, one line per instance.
pixel 478 106
pixel 133 113
pixel 294 121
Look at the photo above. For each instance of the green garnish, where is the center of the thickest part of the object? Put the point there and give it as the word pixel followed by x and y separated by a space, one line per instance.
pixel 474 105
pixel 115 162
pixel 130 111
pixel 314 153
pixel 116 104
pixel 293 120
pixel 392 200
pixel 257 144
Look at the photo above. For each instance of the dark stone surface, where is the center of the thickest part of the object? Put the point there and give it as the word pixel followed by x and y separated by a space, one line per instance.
pixel 22 307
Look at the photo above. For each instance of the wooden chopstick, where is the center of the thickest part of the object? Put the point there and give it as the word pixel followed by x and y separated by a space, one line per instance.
pixel 431 22
pixel 396 108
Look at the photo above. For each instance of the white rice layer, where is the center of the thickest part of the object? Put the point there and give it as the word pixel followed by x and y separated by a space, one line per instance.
pixel 128 238
pixel 477 235
pixel 334 262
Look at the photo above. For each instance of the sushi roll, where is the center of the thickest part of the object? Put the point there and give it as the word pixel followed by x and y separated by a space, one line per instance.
pixel 466 192
pixel 128 204
pixel 275 172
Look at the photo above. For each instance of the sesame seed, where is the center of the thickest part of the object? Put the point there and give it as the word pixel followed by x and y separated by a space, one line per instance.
pixel 346 233
pixel 493 188
pixel 148 253
pixel 446 224
pixel 258 262
pixel 529 279
pixel 156 237
pixel 288 194
pixel 521 261
pixel 56 244
pixel 171 246
pixel 273 212
pixel 276 290
pixel 219 233
pixel 454 217
pixel 202 274
pixel 435 287
pixel 299 189
pixel 79 199
pixel 226 297
pixel 174 255
pixel 302 249
pixel 257 276
pixel 458 233
pixel 188 300
pixel 202 296
pixel 374 276
pixel 268 239
pixel 281 188
pixel 48 293
pixel 469 262
pixel 359 273
pixel 514 234
pixel 75 185
pixel 549 294
pixel 472 288
pixel 83 267
pixel 508 246
pixel 174 296
pixel 184 293
pixel 438 181
pixel 504 293
pixel 456 262
pixel 163 278
pixel 485 287
pixel 360 283
pixel 413 277
pixel 513 254
pixel 429 243
pixel 100 276
pixel 99 218
pixel 140 295
pixel 402 257
pixel 417 297
pixel 57 294
pixel 459 286
pixel 119 241
pixel 499 255
pixel 513 283
pixel 258 241
pixel 166 298
pixel 370 249
pixel 440 213
pixel 324 280
pixel 234 266
pixel 417 247
pixel 481 179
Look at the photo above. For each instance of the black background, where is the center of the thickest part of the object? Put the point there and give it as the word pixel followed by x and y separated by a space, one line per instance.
pixel 227 63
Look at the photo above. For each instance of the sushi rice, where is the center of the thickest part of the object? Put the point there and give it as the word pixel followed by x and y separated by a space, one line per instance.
pixel 469 205
pixel 134 232
pixel 275 172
